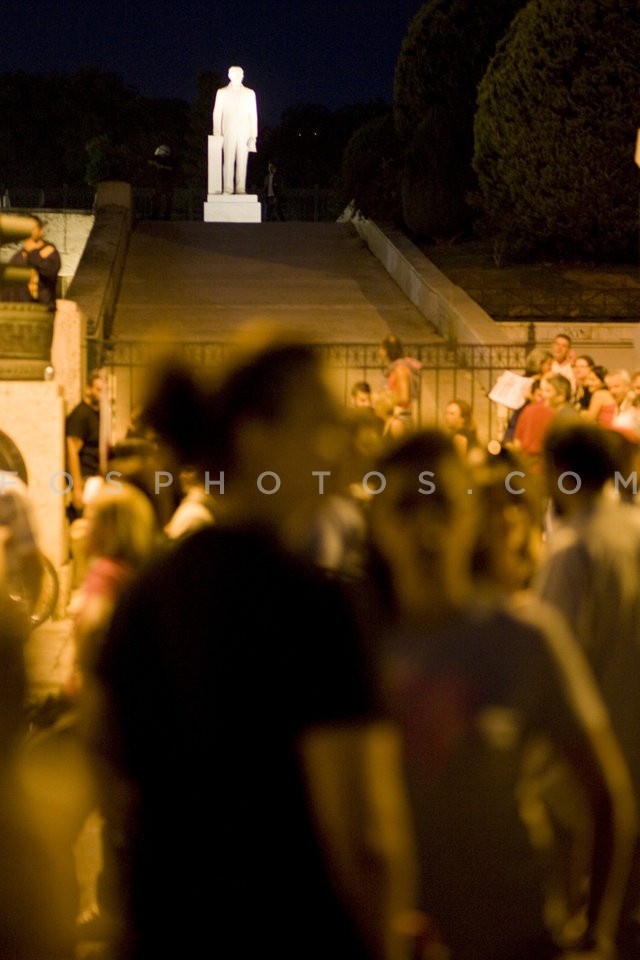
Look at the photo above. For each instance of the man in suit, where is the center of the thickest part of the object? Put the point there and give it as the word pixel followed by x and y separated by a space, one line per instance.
pixel 235 117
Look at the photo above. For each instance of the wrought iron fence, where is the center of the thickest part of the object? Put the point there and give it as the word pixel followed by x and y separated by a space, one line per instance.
pixel 449 371
pixel 49 198
pixel 309 203
pixel 605 304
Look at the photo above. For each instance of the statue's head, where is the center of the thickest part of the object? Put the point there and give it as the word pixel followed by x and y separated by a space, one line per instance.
pixel 236 75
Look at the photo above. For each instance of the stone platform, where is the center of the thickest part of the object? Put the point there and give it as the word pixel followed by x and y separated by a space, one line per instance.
pixel 232 208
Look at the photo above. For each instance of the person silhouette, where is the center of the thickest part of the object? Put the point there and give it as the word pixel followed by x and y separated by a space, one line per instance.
pixel 235 118
pixel 42 256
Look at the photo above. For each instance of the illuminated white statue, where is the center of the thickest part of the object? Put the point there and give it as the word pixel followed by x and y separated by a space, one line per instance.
pixel 235 119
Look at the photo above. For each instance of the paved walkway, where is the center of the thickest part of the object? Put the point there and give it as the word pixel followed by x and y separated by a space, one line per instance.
pixel 202 280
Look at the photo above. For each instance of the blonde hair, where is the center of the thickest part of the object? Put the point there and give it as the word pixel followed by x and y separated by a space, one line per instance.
pixel 122 524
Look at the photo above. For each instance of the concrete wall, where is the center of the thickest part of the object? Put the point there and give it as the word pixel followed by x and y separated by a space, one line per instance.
pixel 96 283
pixel 459 318
pixel 613 345
pixel 454 314
pixel 33 412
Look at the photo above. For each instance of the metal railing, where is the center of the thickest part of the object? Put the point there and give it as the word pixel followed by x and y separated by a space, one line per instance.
pixel 308 203
pixel 605 304
pixel 460 371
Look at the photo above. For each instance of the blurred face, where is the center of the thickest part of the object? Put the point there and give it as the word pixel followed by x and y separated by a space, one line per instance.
pixel 560 349
pixel 580 371
pixel 276 457
pixel 513 539
pixel 236 76
pixel 453 417
pixel 546 364
pixel 635 384
pixel 361 399
pixel 38 232
pixel 93 393
pixel 618 387
pixel 536 393
pixel 549 394
pixel 593 381
pixel 424 537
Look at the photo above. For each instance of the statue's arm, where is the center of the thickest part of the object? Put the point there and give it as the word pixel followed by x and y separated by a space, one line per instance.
pixel 253 113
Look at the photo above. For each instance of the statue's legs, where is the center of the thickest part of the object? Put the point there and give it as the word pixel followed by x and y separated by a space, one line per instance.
pixel 241 168
pixel 228 174
pixel 235 163
pixel 229 161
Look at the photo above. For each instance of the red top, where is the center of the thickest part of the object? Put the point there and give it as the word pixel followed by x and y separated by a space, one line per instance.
pixel 532 425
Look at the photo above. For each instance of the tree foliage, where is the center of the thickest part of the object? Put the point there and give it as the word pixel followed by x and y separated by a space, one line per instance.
pixel 79 128
pixel 200 126
pixel 435 178
pixel 442 59
pixel 556 125
pixel 444 55
pixel 309 142
pixel 371 167
pixel 108 161
pixel 50 121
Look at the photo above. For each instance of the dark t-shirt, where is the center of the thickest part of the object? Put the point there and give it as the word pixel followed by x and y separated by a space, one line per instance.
pixel 470 696
pixel 47 269
pixel 224 653
pixel 84 422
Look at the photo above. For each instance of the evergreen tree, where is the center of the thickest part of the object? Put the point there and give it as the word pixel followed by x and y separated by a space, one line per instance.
pixel 556 126
pixel 200 126
pixel 51 122
pixel 442 59
pixel 371 170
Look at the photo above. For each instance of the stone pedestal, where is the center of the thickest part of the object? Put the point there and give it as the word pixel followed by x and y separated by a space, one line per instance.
pixel 214 158
pixel 68 353
pixel 26 332
pixel 232 208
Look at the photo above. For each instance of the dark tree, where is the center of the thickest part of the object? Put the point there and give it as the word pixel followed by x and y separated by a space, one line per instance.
pixel 556 127
pixel 310 140
pixel 442 59
pixel 49 120
pixel 435 179
pixel 200 126
pixel 371 168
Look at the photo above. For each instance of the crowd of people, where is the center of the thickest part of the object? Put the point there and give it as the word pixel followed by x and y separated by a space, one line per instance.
pixel 562 384
pixel 355 691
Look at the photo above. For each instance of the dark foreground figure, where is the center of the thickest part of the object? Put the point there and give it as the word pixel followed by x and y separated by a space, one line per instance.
pixel 222 656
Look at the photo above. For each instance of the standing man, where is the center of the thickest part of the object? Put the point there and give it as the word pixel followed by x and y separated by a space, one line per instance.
pixel 44 260
pixel 273 193
pixel 235 118
pixel 619 384
pixel 83 441
pixel 164 173
pixel 563 357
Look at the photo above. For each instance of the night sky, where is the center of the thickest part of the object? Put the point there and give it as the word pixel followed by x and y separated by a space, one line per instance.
pixel 331 52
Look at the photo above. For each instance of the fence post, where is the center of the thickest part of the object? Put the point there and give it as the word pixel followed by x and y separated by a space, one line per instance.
pixel 531 336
